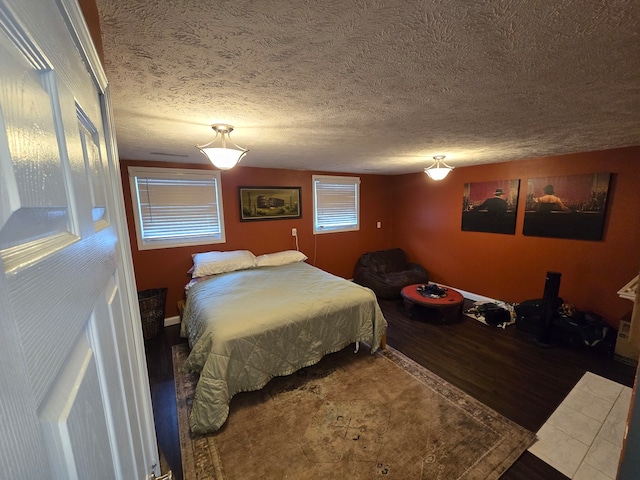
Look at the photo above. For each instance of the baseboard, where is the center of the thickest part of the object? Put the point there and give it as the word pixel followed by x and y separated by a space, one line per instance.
pixel 171 321
pixel 469 295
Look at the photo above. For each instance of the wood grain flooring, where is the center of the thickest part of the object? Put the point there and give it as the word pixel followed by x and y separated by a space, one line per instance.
pixel 503 368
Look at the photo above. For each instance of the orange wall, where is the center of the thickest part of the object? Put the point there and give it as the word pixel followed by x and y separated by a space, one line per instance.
pixel 91 16
pixel 427 224
pixel 424 218
pixel 336 253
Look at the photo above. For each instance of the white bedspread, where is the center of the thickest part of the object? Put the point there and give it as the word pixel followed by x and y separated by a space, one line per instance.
pixel 248 326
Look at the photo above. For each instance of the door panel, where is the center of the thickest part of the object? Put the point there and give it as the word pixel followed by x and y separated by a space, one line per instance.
pixel 123 339
pixel 94 167
pixel 73 419
pixel 37 205
pixel 103 340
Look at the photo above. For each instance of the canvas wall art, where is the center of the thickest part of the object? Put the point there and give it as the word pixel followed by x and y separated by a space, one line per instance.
pixel 269 203
pixel 571 206
pixel 490 206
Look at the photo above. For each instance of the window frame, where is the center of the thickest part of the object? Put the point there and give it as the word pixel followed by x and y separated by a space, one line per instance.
pixel 176 174
pixel 336 180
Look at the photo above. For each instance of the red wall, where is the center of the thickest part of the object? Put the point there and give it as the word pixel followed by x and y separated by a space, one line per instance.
pixel 91 16
pixel 427 224
pixel 336 253
pixel 424 217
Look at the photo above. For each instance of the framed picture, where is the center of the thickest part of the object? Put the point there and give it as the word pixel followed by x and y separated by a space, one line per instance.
pixel 269 203
pixel 490 206
pixel 571 206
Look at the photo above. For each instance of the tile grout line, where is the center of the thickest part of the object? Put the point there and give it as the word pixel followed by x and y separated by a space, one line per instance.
pixel 600 428
pixel 597 434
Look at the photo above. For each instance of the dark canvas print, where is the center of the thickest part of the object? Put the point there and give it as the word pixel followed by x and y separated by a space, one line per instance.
pixel 490 206
pixel 571 206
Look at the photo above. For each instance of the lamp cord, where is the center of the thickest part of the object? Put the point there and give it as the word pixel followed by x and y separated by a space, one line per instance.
pixel 315 248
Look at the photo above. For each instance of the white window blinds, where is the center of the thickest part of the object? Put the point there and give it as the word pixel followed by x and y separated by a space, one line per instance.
pixel 336 204
pixel 175 207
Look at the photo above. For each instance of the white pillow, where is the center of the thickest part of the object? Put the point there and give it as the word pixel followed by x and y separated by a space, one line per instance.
pixel 280 258
pixel 212 263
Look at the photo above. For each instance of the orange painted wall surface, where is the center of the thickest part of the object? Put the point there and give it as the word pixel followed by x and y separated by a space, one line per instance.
pixel 424 218
pixel 427 224
pixel 91 16
pixel 336 253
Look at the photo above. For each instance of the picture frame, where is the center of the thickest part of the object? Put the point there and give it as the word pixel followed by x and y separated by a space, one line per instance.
pixel 568 206
pixel 490 207
pixel 269 203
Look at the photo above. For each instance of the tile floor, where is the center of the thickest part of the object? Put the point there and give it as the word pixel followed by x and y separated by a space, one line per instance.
pixel 583 438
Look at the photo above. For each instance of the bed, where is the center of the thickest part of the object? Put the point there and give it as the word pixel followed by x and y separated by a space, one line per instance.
pixel 247 326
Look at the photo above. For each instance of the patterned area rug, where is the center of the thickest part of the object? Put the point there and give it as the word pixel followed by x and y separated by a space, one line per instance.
pixel 356 416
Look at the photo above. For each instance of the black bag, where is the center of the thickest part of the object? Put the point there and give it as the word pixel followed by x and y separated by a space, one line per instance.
pixel 529 315
pixel 579 329
pixel 533 308
pixel 583 328
pixel 494 314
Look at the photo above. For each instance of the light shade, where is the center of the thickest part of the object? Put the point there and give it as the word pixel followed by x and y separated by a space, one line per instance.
pixel 439 169
pixel 218 153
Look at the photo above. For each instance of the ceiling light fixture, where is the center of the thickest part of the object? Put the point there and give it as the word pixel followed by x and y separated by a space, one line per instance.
pixel 439 169
pixel 219 153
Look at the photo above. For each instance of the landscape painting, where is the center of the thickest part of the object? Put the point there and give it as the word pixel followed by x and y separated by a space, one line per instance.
pixel 269 203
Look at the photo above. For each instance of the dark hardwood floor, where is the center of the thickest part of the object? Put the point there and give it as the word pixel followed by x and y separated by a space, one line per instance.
pixel 503 368
pixel 163 395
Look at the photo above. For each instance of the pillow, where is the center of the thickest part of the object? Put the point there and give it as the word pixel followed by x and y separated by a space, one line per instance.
pixel 211 263
pixel 280 258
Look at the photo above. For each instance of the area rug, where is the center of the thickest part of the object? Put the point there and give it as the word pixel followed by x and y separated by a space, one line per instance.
pixel 355 416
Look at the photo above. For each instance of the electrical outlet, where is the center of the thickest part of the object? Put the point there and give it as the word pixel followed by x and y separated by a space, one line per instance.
pixel 379 224
pixel 294 232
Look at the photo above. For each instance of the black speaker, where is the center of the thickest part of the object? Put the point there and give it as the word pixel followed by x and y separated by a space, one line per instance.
pixel 549 307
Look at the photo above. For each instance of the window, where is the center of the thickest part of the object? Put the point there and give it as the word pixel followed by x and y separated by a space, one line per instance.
pixel 176 207
pixel 336 204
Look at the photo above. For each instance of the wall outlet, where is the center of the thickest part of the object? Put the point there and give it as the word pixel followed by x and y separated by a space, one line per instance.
pixel 379 224
pixel 294 232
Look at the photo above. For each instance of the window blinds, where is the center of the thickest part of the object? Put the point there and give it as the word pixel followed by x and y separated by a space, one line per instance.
pixel 176 209
pixel 336 202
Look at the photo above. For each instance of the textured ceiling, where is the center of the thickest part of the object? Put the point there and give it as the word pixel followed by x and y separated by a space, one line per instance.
pixel 373 86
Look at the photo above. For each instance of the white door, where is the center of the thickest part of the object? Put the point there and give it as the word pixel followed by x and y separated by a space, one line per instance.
pixel 74 392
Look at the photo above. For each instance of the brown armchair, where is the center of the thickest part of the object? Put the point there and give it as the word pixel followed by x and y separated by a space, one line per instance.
pixel 386 272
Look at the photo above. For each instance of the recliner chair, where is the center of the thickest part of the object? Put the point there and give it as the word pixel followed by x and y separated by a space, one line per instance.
pixel 386 272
